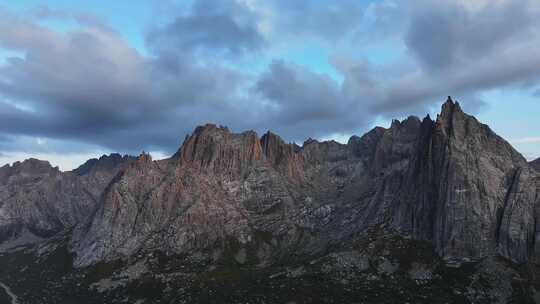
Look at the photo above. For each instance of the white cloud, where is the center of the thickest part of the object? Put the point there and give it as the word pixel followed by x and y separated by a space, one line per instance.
pixel 526 140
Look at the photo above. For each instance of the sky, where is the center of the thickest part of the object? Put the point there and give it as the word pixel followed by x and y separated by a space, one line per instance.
pixel 83 78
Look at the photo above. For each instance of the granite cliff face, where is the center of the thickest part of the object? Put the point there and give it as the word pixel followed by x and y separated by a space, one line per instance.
pixel 464 188
pixel 450 181
pixel 425 211
pixel 535 164
pixel 38 201
pixel 95 174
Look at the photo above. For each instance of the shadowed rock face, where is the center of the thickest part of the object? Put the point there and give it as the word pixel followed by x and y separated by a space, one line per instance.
pixel 466 189
pixel 451 181
pixel 42 200
pixel 95 174
pixel 535 164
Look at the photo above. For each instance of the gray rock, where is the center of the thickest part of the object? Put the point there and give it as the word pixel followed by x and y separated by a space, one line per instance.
pixel 535 164
pixel 431 202
pixel 37 199
pixel 451 181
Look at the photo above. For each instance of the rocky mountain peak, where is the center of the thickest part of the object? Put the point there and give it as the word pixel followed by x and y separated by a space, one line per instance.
pixel 450 187
pixel 41 200
pixel 467 134
pixel 274 148
pixel 451 115
pixel 105 162
pixel 309 141
pixel 449 106
pixel 366 144
pixel 408 124
pixel 282 156
pixel 144 157
pixel 216 148
pixel 33 166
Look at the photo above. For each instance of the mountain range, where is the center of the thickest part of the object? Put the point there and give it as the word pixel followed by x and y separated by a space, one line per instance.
pixel 426 211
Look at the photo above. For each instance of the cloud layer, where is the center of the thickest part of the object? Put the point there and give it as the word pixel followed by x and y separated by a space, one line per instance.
pixel 90 87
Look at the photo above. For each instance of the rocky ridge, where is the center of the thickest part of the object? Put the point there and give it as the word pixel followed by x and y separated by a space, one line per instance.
pixel 39 201
pixel 451 181
pixel 427 211
pixel 535 164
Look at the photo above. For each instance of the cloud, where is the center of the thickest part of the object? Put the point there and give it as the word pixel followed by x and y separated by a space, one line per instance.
pixel 87 87
pixel 90 85
pixel 240 27
pixel 330 21
pixel 453 48
pixel 447 34
pixel 298 99
pixel 226 26
pixel 526 140
pixel 44 12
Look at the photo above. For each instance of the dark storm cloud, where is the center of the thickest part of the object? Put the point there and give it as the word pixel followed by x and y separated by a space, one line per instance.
pixel 89 86
pixel 211 26
pixel 85 75
pixel 299 93
pixel 449 33
pixel 303 103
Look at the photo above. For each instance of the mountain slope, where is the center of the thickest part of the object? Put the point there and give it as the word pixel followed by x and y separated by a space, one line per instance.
pixel 535 164
pixel 451 181
pixel 425 211
pixel 38 201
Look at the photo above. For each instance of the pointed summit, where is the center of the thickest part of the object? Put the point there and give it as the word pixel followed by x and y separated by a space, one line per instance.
pixel 449 107
pixel 217 148
pixel 451 111
pixel 144 157
pixel 274 147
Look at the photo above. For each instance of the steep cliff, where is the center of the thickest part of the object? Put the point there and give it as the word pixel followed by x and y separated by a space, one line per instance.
pixel 535 164
pixel 425 211
pixel 451 181
pixel 38 201
pixel 466 190
pixel 95 174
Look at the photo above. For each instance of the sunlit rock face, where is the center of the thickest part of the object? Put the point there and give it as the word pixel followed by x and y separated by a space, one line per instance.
pixel 450 181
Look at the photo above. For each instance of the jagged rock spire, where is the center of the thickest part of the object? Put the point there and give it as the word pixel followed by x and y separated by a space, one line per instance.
pixel 446 182
pixel 449 107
